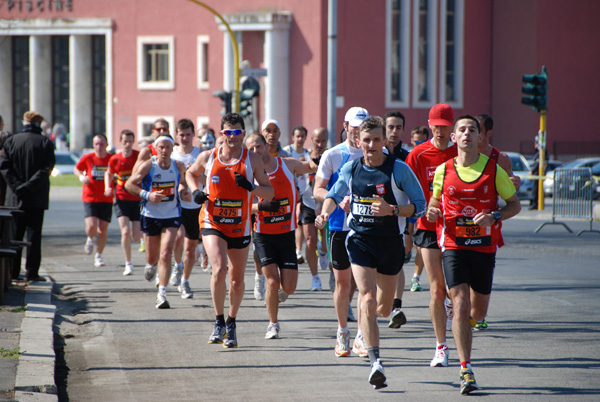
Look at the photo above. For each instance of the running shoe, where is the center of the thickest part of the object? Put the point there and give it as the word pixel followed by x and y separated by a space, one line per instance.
pixel 282 295
pixel 231 341
pixel 259 287
pixel 98 261
pixel 323 260
pixel 351 317
pixel 161 301
pixel 316 284
pixel 397 318
pixel 377 376
pixel 467 381
pixel 150 272
pixel 441 357
pixel 272 331
pixel 449 313
pixel 359 348
pixel 299 257
pixel 184 289
pixel 481 325
pixel 415 285
pixel 342 344
pixel 128 269
pixel 142 248
pixel 176 274
pixel 218 334
pixel 89 246
pixel 331 281
pixel 407 257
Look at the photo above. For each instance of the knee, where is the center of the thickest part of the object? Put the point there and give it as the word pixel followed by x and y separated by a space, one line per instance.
pixel 273 283
pixel 126 233
pixel 237 286
pixel 311 242
pixel 461 307
pixel 165 255
pixel 368 305
pixel 438 293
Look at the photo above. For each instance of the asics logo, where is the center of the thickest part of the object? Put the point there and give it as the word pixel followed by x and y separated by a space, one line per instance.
pixel 473 242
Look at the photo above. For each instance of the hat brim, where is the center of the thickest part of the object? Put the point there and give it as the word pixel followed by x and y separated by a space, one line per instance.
pixel 440 122
pixel 355 122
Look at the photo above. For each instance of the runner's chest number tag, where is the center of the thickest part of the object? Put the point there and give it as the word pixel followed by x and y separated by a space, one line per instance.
pixel 362 205
pixel 228 212
pixel 470 234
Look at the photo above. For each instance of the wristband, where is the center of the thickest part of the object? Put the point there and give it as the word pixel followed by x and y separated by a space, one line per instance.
pixel 82 178
pixel 145 195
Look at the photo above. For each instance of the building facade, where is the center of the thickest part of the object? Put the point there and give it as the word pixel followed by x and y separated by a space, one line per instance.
pixel 107 65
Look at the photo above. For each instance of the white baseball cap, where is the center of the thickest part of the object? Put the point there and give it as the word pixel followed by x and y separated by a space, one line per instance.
pixel 269 121
pixel 356 115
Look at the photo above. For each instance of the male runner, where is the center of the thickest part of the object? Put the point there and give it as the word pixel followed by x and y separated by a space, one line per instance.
pixel 163 181
pixel 383 190
pixel 127 206
pixel 423 160
pixel 465 197
pixel 225 221
pixel 90 170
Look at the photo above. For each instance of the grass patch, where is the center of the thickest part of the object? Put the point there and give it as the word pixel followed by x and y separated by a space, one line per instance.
pixel 65 180
pixel 20 309
pixel 9 353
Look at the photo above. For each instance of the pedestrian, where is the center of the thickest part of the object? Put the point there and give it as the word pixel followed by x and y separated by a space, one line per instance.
pixel 26 161
pixel 383 191
pixel 127 205
pixel 91 170
pixel 274 227
pixel 163 182
pixel 225 220
pixel 464 205
pixel 330 166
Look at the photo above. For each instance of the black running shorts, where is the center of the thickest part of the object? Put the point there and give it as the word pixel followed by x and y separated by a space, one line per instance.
pixel 425 239
pixel 232 242
pixel 337 250
pixel 128 208
pixel 386 254
pixel 474 268
pixel 279 249
pixel 190 223
pixel 100 210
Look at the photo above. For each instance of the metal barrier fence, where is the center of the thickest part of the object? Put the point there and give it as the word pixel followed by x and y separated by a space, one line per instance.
pixel 572 197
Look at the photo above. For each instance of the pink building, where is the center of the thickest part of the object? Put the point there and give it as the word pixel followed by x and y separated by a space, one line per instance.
pixel 108 65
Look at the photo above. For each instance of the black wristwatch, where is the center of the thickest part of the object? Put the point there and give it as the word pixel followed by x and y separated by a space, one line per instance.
pixel 396 210
pixel 496 215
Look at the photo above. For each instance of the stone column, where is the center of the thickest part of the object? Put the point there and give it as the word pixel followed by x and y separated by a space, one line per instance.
pixel 40 75
pixel 6 101
pixel 277 81
pixel 80 89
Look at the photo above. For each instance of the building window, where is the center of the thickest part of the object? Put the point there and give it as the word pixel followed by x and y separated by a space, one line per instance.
pixel 60 81
pixel 397 65
pixel 424 53
pixel 202 62
pixel 145 124
pixel 156 62
pixel 20 69
pixel 452 52
pixel 98 84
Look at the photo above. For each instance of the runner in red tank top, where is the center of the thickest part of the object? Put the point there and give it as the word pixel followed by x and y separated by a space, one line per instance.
pixel 230 170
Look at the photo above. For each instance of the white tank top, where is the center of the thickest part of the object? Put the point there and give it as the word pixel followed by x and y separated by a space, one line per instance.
pixel 187 160
pixel 167 181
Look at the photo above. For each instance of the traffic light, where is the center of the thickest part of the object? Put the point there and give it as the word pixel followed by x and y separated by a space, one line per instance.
pixel 225 100
pixel 250 90
pixel 536 86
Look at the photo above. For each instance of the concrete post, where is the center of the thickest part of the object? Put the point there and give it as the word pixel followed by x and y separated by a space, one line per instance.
pixel 80 89
pixel 40 75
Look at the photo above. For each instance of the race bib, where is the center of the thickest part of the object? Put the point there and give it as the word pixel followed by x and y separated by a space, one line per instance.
pixel 283 214
pixel 165 188
pixel 228 212
pixel 472 235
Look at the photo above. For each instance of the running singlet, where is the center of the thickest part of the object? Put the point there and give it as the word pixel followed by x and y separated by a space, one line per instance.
pixel 281 221
pixel 187 160
pixel 94 168
pixel 153 150
pixel 460 202
pixel 365 183
pixel 302 179
pixel 423 160
pixel 121 166
pixel 228 206
pixel 165 181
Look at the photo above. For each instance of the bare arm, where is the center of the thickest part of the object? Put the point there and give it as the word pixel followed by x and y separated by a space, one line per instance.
pixel 264 189
pixel 328 207
pixel 108 182
pixel 299 167
pixel 433 210
pixel 512 207
pixel 144 155
pixel 504 163
pixel 320 189
pixel 132 186
pixel 184 194
pixel 193 174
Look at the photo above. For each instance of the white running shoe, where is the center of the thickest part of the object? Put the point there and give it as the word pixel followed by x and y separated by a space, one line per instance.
pixel 259 287
pixel 161 301
pixel 150 272
pixel 282 295
pixel 359 347
pixel 128 269
pixel 351 317
pixel 441 357
pixel 98 261
pixel 449 313
pixel 272 331
pixel 176 274
pixel 323 260
pixel 299 257
pixel 89 246
pixel 184 289
pixel 316 284
pixel 342 344
pixel 377 376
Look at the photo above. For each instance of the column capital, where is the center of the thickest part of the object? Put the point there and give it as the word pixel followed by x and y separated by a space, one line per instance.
pixel 258 21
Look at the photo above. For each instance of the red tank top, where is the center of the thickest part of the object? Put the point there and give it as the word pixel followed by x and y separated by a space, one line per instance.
pixel 228 207
pixel 153 150
pixel 282 221
pixel 461 201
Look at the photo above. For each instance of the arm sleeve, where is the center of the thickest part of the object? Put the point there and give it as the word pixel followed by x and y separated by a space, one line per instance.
pixel 504 185
pixel 340 188
pixel 438 181
pixel 407 181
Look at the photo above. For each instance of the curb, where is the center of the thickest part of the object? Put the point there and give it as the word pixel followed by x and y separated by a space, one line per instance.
pixel 35 371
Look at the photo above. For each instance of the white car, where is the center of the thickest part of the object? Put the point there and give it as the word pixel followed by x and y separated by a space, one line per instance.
pixel 520 168
pixel 574 164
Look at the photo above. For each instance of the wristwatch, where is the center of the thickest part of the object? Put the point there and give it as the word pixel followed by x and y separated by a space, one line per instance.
pixel 496 215
pixel 396 210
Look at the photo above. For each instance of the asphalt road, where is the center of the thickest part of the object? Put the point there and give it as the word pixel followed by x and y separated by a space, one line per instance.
pixel 541 345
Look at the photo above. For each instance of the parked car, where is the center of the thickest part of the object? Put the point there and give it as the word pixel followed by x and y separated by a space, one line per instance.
pixel 65 163
pixel 574 164
pixel 520 168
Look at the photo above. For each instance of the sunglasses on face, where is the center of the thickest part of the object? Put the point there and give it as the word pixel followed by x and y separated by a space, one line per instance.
pixel 161 129
pixel 235 132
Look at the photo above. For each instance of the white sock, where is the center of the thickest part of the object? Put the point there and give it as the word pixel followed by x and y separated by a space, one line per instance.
pixel 98 255
pixel 359 334
pixel 162 290
pixel 417 276
pixel 344 330
pixel 184 280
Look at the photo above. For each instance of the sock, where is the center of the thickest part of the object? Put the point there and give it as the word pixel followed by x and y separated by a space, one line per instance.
pixel 466 365
pixel 221 319
pixel 359 334
pixel 184 280
pixel 162 290
pixel 439 345
pixel 230 320
pixel 373 354
pixel 98 255
pixel 127 262
pixel 316 276
pixel 344 330
pixel 397 304
pixel 417 276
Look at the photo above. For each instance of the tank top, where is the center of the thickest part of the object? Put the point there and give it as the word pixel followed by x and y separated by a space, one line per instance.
pixel 187 160
pixel 166 181
pixel 302 179
pixel 461 201
pixel 282 221
pixel 228 206
pixel 337 217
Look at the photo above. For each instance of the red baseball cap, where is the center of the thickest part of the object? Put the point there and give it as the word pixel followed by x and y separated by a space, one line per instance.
pixel 441 114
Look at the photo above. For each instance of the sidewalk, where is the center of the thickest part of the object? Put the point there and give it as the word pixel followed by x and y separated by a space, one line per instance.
pixel 26 323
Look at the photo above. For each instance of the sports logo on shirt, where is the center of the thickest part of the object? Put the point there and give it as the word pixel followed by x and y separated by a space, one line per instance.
pixel 380 189
pixel 451 190
pixel 469 211
pixel 215 179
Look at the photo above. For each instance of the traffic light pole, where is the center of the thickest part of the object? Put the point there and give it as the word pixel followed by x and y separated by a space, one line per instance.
pixel 542 159
pixel 235 104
